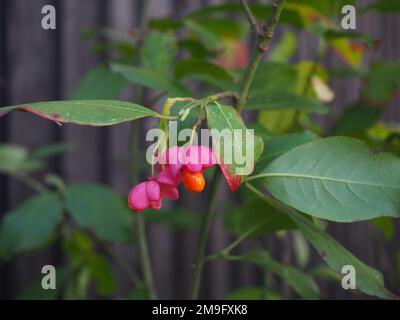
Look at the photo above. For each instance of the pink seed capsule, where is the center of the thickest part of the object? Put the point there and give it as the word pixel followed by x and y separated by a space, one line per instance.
pixel 153 190
pixel 137 198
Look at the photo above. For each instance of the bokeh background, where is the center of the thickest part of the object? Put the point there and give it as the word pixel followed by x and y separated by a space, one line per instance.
pixel 37 65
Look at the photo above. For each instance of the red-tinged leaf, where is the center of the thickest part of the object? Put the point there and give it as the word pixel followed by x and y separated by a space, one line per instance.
pixel 350 52
pixel 234 182
pixel 229 134
pixel 85 112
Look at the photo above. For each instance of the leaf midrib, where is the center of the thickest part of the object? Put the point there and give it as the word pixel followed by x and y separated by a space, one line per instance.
pixel 302 176
pixel 88 104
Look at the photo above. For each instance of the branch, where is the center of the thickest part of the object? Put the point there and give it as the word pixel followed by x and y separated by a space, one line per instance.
pixel 260 48
pixel 250 16
pixel 273 19
pixel 219 96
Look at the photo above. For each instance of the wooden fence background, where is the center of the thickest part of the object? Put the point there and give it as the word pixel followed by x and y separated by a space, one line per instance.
pixel 40 65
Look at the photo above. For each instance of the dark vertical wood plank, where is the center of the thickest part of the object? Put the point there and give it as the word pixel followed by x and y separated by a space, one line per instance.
pixel 121 17
pixel 5 269
pixel 83 163
pixel 30 59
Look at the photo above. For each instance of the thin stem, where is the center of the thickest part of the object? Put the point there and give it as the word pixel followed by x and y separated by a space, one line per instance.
pixel 168 104
pixel 250 17
pixel 225 252
pixel 248 78
pixel 132 276
pixel 161 116
pixel 258 193
pixel 145 258
pixel 240 239
pixel 219 96
pixel 204 230
pixel 261 46
pixel 271 201
pixel 194 128
pixel 30 182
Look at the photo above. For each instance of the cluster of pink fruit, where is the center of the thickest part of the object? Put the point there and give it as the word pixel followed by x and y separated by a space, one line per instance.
pixel 175 165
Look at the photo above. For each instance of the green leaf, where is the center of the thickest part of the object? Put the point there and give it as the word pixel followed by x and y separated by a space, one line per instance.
pixel 357 120
pixel 252 293
pixel 164 24
pixel 385 225
pixel 274 76
pixel 138 294
pixel 364 38
pixel 282 100
pixel 99 83
pixel 100 209
pixel 277 121
pixel 256 218
pixel 208 37
pixel 82 254
pixel 237 162
pixel 77 287
pixel 189 67
pixel 224 27
pixel 151 79
pixel 50 150
pixel 261 131
pixel 328 8
pixel 102 274
pixel 285 49
pixel 289 16
pixel 383 80
pixel 195 48
pixel 214 83
pixel 303 284
pixel 276 146
pixel 31 225
pixel 158 52
pixel 349 51
pixel 326 273
pixel 369 280
pixel 336 179
pixel 277 86
pixel 15 159
pixel 190 120
pixel 85 112
pixel 383 6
